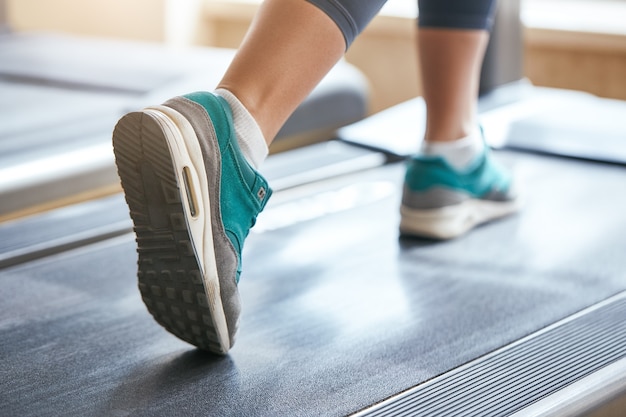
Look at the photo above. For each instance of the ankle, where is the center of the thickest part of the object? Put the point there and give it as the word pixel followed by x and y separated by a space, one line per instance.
pixel 249 135
pixel 459 153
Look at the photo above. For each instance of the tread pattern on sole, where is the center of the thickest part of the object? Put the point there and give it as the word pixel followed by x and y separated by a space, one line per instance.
pixel 169 275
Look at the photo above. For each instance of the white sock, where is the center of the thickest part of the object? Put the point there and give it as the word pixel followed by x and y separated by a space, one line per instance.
pixel 249 135
pixel 459 153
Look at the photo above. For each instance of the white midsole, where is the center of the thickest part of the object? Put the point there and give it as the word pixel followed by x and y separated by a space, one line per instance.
pixel 185 149
pixel 452 221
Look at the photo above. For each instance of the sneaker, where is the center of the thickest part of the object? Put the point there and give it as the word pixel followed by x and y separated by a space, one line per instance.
pixel 440 202
pixel 193 199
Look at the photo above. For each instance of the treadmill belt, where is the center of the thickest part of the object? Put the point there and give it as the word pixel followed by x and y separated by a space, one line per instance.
pixel 339 313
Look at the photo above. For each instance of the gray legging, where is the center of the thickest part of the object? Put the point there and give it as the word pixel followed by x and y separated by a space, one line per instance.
pixel 353 15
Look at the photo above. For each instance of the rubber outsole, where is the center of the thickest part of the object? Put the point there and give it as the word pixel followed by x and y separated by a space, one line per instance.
pixel 452 221
pixel 170 275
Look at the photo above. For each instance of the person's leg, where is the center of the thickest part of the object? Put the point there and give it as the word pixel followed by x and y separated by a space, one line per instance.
pixel 450 63
pixel 453 184
pixel 188 167
pixel 451 40
pixel 289 48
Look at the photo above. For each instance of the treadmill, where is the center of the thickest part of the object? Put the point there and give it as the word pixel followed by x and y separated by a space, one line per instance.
pixel 342 316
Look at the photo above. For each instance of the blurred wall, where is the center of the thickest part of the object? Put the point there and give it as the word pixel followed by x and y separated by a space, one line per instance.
pixel 385 52
pixel 129 19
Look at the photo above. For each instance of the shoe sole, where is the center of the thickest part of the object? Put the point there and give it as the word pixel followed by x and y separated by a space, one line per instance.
pixel 452 221
pixel 162 173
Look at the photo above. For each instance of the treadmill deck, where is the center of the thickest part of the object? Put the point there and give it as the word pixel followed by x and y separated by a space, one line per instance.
pixel 339 312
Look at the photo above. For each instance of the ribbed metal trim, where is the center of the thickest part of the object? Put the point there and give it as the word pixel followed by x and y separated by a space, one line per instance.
pixel 65 243
pixel 523 373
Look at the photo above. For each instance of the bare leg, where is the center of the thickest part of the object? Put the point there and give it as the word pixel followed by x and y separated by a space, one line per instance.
pixel 303 44
pixel 452 185
pixel 450 61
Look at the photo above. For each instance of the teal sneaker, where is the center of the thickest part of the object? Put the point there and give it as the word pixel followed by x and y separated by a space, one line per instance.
pixel 440 202
pixel 193 198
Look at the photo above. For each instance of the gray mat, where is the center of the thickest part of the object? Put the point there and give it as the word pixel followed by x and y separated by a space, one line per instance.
pixel 85 63
pixel 338 313
pixel 517 116
pixel 564 123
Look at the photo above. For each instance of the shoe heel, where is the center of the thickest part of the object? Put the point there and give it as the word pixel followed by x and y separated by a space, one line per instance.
pixel 169 275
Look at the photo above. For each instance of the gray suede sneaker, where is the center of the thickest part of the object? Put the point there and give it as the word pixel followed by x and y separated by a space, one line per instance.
pixel 440 202
pixel 193 199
